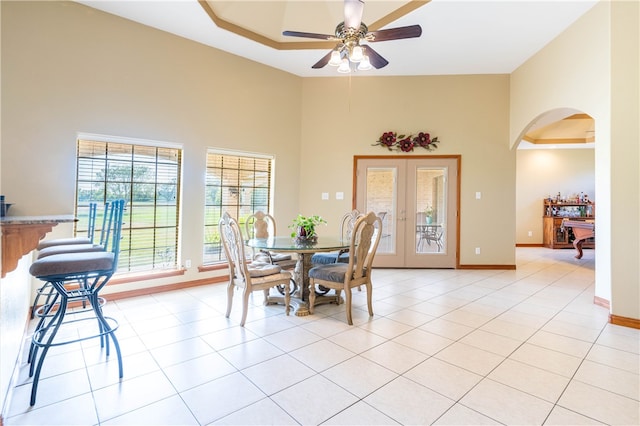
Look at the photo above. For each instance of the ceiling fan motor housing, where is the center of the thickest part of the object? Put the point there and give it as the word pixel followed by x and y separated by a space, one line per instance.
pixel 347 34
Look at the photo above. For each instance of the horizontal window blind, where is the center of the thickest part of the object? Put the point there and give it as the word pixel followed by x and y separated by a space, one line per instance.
pixel 239 184
pixel 148 178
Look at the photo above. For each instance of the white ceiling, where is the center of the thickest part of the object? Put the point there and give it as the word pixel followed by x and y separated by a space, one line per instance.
pixel 459 36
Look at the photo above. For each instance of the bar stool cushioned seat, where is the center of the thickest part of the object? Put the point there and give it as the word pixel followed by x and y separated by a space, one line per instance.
pixel 72 263
pixel 64 242
pixel 72 245
pixel 70 248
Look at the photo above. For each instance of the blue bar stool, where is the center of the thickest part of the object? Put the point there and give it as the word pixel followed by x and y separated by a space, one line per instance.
pixel 70 245
pixel 93 270
pixel 91 226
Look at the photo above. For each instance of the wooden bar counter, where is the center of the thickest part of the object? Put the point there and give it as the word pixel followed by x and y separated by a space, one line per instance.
pixel 21 235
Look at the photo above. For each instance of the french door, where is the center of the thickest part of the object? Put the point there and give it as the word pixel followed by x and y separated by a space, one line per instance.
pixel 417 198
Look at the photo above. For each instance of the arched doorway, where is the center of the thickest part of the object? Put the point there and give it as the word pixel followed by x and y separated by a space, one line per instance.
pixel 555 158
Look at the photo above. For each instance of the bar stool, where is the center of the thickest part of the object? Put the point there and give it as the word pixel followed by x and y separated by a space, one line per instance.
pixel 93 270
pixel 91 227
pixel 71 245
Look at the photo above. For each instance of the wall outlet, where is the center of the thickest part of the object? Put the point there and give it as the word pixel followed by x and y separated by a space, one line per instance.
pixel 530 233
pixel 187 263
pixel 478 195
pixel 477 250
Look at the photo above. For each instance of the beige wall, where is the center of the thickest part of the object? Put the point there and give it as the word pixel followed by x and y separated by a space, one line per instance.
pixel 593 67
pixel 344 117
pixel 544 172
pixel 625 159
pixel 68 68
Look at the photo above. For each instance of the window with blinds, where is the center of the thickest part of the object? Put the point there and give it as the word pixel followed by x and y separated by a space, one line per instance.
pixel 239 184
pixel 148 178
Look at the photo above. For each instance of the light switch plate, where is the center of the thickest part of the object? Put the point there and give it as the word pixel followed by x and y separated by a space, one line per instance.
pixel 478 195
pixel 325 195
pixel 339 195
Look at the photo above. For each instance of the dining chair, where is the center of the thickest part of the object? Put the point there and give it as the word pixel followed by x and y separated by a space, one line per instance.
pixel 92 270
pixel 263 225
pixel 435 235
pixel 432 233
pixel 249 276
pixel 346 228
pixel 345 276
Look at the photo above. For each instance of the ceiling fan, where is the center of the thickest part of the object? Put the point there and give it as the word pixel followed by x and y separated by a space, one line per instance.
pixel 349 34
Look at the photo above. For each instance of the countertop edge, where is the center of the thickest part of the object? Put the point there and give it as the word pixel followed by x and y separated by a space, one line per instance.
pixel 36 220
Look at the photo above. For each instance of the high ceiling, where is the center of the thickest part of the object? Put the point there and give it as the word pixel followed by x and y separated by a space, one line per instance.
pixel 458 36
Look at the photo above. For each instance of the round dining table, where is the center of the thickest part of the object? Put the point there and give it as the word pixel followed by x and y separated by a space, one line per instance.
pixel 304 252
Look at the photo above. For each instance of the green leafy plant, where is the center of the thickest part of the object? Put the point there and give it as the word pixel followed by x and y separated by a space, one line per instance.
pixel 306 223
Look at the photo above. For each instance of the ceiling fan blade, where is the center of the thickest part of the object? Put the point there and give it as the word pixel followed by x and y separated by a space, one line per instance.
pixel 395 33
pixel 353 13
pixel 374 57
pixel 322 62
pixel 308 35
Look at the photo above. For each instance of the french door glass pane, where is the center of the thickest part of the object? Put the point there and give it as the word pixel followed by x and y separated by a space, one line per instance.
pixel 431 215
pixel 381 198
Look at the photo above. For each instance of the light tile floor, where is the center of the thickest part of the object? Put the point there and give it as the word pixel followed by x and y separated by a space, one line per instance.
pixel 522 347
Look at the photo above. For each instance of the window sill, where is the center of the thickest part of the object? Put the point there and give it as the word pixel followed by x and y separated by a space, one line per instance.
pixel 216 267
pixel 126 278
pixel 146 275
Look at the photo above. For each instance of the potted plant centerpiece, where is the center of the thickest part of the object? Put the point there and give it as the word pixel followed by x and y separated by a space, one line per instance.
pixel 304 228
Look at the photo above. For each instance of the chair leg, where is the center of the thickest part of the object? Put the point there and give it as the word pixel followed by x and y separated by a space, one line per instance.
pixel 347 297
pixel 58 318
pixel 287 298
pixel 230 289
pixel 312 295
pixel 44 312
pixel 369 298
pixel 245 305
pixel 106 329
pixel 46 290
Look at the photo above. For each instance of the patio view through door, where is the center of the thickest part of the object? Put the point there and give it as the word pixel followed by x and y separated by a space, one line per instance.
pixel 417 198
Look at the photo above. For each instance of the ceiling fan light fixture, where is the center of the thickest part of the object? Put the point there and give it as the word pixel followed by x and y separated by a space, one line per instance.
pixel 335 60
pixel 364 64
pixel 344 67
pixel 349 34
pixel 356 54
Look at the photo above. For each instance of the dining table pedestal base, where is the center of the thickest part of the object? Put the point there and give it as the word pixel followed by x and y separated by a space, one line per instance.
pixel 304 252
pixel 299 301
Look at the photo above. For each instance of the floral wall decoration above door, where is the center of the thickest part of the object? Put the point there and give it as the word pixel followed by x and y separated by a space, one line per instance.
pixel 406 143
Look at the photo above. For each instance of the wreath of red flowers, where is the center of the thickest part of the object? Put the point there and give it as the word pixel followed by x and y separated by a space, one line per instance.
pixel 405 143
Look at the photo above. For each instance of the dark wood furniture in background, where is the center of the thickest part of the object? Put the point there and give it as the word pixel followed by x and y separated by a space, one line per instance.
pixel 556 236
